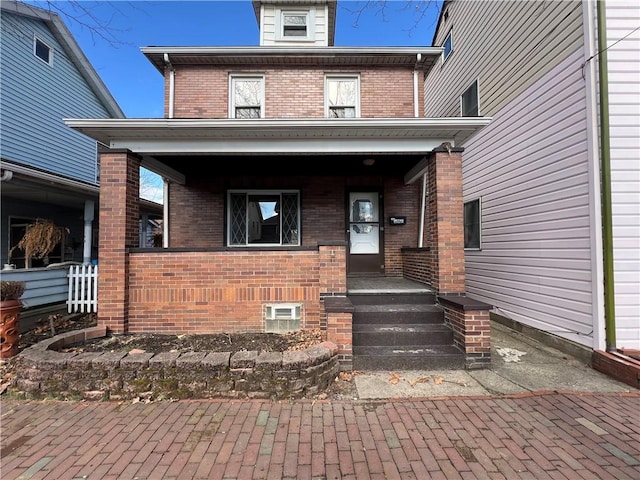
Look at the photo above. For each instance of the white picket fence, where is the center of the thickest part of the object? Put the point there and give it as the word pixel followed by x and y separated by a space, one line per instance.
pixel 83 289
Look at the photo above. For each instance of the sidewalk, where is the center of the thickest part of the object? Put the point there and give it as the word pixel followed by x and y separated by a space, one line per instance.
pixel 545 416
pixel 527 436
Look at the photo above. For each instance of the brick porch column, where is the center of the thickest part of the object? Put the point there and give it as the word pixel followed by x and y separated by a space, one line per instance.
pixel 445 220
pixel 118 231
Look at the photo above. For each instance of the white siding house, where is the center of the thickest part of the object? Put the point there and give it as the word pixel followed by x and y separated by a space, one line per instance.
pixel 536 168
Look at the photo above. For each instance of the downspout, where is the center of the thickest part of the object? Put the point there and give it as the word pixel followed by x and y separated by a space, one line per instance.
pixel 423 201
pixel 416 113
pixel 172 74
pixel 605 159
pixel 416 108
pixel 165 213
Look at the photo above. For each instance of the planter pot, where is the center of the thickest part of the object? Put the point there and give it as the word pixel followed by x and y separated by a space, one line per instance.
pixel 9 327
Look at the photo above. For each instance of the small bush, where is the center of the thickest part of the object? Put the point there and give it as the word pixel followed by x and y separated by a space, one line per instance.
pixel 11 290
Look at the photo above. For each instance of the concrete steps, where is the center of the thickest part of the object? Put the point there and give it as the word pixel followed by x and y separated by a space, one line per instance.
pixel 401 331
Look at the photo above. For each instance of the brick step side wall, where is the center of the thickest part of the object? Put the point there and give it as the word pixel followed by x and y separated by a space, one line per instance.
pixel 45 372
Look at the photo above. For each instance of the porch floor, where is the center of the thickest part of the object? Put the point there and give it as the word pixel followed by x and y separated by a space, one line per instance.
pixel 357 285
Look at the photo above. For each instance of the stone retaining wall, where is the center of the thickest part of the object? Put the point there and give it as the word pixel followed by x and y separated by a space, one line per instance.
pixel 45 372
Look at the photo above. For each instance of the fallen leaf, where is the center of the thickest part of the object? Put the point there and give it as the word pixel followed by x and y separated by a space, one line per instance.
pixel 438 380
pixel 395 378
pixel 419 380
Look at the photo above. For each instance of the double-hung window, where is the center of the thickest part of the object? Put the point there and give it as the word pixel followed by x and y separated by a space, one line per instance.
pixel 472 225
pixel 295 25
pixel 342 96
pixel 247 96
pixel 263 217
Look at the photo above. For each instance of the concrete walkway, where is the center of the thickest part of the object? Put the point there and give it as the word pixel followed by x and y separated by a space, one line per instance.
pixel 519 364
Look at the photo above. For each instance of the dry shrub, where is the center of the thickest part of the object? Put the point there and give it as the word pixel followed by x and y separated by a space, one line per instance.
pixel 40 238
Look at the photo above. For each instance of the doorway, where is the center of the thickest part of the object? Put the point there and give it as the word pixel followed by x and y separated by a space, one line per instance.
pixel 365 233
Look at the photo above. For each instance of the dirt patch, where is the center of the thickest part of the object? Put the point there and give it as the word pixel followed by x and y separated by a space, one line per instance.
pixel 47 327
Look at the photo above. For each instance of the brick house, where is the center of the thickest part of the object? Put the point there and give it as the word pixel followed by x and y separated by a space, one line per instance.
pixel 290 169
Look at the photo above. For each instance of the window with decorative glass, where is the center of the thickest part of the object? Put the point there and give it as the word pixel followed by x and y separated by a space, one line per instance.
pixel 294 24
pixel 342 96
pixel 263 218
pixel 247 97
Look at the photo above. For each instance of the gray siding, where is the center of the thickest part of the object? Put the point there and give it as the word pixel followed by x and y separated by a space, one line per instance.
pixel 36 97
pixel 623 17
pixel 530 169
pixel 506 45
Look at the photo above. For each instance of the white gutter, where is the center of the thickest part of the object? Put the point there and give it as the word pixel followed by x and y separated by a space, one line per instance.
pixel 51 178
pixel 172 74
pixel 305 51
pixel 165 213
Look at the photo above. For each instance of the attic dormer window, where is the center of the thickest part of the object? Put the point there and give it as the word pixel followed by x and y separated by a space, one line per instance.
pixel 42 51
pixel 294 24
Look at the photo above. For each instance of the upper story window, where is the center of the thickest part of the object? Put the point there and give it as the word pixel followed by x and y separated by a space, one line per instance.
pixel 470 101
pixel 472 228
pixel 43 51
pixel 342 94
pixel 295 25
pixel 247 96
pixel 448 46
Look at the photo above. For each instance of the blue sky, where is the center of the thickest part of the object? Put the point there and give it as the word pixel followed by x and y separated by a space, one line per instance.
pixel 138 87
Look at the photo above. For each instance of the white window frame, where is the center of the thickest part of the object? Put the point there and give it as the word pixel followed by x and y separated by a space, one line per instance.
pixel 448 38
pixel 341 76
pixel 240 77
pixel 37 40
pixel 464 221
pixel 308 13
pixel 247 193
pixel 476 82
pixel 272 322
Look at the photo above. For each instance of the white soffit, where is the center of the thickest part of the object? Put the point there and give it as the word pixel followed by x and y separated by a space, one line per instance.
pixel 192 136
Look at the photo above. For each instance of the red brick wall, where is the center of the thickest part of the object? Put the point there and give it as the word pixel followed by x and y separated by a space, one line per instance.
pixel 472 334
pixel 202 202
pixel 291 92
pixel 223 291
pixel 119 214
pixel 446 228
pixel 404 200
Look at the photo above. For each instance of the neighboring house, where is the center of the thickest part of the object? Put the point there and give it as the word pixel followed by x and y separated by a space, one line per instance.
pixel 534 217
pixel 292 168
pixel 49 171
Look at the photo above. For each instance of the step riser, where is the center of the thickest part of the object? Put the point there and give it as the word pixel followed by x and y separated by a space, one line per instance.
pixel 386 362
pixel 392 298
pixel 397 317
pixel 401 339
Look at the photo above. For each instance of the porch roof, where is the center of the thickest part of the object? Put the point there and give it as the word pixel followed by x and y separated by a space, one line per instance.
pixel 154 139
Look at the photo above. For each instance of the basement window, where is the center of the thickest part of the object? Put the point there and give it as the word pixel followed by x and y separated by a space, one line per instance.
pixel 282 317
